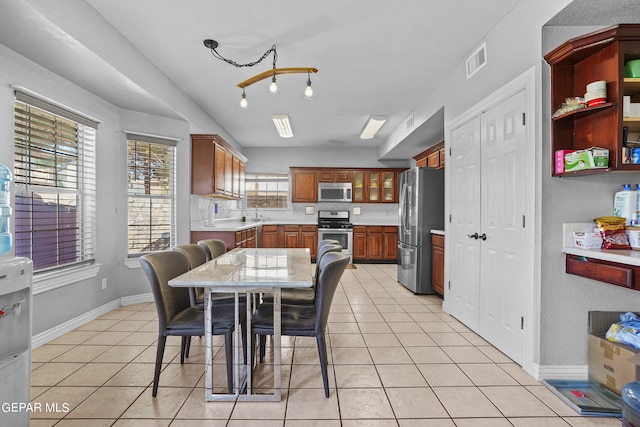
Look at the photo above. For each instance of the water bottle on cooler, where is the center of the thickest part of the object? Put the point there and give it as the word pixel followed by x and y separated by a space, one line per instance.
pixel 5 209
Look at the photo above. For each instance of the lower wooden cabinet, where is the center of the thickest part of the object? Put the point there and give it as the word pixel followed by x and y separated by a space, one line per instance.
pixel 437 263
pixel 270 236
pixel 375 243
pixel 291 236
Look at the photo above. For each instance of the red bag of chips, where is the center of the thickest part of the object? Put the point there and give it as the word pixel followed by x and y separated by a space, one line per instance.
pixel 612 232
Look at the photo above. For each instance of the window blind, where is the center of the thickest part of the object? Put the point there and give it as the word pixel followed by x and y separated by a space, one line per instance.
pixel 151 194
pixel 54 172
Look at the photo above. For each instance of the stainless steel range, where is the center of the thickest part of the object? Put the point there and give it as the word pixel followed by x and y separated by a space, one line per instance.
pixel 336 225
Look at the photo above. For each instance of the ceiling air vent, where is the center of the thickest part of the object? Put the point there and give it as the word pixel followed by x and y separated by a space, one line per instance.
pixel 477 60
pixel 410 121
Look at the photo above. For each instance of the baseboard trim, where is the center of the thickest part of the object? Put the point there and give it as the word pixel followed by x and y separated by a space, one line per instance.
pixel 569 372
pixel 71 324
pixel 136 299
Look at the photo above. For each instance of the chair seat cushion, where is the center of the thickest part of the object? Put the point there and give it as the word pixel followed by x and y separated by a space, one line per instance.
pixel 296 319
pixel 189 319
pixel 192 320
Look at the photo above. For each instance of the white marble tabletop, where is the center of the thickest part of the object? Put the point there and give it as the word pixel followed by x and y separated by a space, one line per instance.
pixel 251 268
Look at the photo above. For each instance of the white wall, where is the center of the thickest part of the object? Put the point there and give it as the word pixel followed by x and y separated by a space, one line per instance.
pixel 566 299
pixel 272 160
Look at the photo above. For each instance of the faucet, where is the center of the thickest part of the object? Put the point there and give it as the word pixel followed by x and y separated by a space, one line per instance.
pixel 257 218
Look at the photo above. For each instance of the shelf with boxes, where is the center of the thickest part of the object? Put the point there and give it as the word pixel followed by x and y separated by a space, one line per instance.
pixel 596 65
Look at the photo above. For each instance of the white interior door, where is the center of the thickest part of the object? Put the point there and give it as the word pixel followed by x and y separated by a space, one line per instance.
pixel 502 211
pixel 464 288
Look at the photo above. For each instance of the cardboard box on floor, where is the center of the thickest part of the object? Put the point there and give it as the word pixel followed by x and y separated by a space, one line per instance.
pixel 611 364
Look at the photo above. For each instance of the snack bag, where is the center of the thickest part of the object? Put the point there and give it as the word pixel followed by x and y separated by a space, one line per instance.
pixel 612 232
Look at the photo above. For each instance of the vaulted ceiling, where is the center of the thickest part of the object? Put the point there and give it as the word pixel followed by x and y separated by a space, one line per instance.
pixel 375 57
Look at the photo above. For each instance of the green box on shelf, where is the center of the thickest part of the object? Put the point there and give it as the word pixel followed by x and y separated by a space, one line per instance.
pixel 591 158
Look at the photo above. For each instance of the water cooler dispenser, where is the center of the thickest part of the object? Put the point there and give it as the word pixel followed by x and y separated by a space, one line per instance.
pixel 15 333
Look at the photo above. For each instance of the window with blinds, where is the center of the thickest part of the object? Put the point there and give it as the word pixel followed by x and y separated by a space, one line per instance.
pixel 55 200
pixel 266 191
pixel 151 192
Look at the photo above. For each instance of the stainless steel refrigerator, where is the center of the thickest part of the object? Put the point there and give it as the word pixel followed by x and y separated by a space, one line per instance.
pixel 421 210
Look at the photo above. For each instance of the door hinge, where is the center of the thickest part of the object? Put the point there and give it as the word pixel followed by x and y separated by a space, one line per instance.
pixel 523 221
pixel 449 151
pixel 449 284
pixel 449 218
pixel 522 323
pixel 524 119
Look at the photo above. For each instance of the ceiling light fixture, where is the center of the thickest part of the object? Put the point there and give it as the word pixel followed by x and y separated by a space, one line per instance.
pixel 243 101
pixel 373 126
pixel 308 92
pixel 283 126
pixel 212 45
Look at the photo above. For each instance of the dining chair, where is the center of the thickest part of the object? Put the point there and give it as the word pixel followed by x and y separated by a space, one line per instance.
pixel 304 295
pixel 213 247
pixel 306 320
pixel 197 255
pixel 321 243
pixel 176 315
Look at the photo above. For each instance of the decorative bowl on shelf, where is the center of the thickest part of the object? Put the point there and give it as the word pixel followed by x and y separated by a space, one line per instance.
pixel 632 68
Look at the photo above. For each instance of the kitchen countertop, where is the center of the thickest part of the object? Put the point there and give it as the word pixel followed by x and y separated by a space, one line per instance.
pixel 233 224
pixel 621 256
pixel 440 232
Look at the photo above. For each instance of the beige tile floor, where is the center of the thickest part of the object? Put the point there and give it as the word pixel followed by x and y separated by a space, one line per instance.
pixel 395 359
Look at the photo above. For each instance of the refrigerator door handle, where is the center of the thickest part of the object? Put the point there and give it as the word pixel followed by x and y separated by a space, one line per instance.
pixel 405 248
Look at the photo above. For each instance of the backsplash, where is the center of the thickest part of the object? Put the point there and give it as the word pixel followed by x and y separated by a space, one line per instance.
pixel 233 209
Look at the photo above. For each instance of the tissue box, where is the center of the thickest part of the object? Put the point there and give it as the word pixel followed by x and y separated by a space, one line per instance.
pixel 586 159
pixel 559 168
pixel 587 239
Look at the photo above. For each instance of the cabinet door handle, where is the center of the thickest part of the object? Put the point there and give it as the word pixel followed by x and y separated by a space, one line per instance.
pixel 482 236
pixel 473 236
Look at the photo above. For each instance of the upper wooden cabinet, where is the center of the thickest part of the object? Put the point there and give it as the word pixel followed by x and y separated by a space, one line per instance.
pixel 304 185
pixel 596 56
pixel 369 185
pixel 432 157
pixel 216 168
pixel 375 186
pixel 334 175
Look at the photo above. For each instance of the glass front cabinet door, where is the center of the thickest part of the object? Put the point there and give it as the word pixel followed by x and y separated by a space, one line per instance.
pixel 387 186
pixel 374 187
pixel 358 187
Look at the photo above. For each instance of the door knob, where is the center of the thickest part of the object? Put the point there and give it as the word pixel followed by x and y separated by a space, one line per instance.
pixel 482 236
pixel 473 236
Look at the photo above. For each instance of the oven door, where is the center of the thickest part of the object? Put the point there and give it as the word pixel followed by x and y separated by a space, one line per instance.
pixel 344 236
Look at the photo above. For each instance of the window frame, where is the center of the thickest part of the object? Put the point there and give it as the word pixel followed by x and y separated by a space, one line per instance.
pixel 132 257
pixel 82 163
pixel 269 177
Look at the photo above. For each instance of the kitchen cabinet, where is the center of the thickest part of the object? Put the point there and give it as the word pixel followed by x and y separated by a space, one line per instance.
pixel 600 55
pixel 432 157
pixel 304 185
pixel 309 238
pixel 359 243
pixel 390 243
pixel 375 243
pixel 216 168
pixel 437 263
pixel 291 236
pixel 247 238
pixel 368 185
pixel 334 175
pixel 270 237
pixel 376 186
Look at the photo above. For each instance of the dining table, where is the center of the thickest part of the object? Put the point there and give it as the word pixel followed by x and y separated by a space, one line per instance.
pixel 251 272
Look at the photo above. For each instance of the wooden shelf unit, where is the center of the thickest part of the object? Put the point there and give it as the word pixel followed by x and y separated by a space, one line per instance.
pixel 600 55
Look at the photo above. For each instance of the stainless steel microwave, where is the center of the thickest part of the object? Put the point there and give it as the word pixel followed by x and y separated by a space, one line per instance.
pixel 334 192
